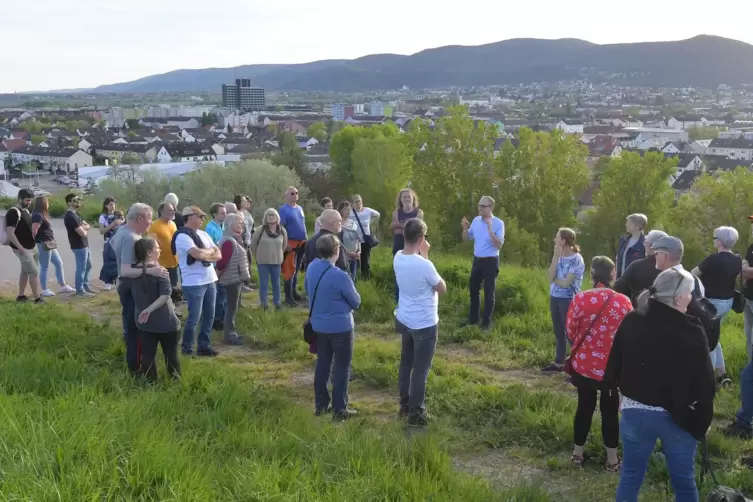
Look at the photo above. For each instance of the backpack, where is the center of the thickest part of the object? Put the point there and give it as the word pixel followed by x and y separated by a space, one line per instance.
pixel 719 493
pixel 704 310
pixel 4 238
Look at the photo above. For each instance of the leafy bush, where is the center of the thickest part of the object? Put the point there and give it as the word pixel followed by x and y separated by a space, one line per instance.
pixel 90 210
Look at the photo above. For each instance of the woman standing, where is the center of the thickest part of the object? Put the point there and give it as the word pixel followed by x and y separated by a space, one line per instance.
pixel 406 207
pixel 630 247
pixel 154 311
pixel 719 272
pixel 350 239
pixel 660 363
pixel 332 299
pixel 565 275
pixel 268 245
pixel 592 320
pixel 232 272
pixel 47 246
pixel 362 216
pixel 108 224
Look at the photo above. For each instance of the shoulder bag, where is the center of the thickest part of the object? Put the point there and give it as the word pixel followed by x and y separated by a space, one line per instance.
pixel 309 335
pixel 369 239
pixel 574 350
pixel 738 300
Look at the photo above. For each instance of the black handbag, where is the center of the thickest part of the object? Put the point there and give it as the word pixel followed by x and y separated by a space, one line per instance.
pixel 738 300
pixel 369 239
pixel 309 335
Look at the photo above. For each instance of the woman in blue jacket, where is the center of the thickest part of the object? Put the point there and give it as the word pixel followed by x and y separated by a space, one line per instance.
pixel 631 247
pixel 332 299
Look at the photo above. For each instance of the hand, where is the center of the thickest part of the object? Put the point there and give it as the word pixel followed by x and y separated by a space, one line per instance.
pixel 288 249
pixel 488 223
pixel 557 251
pixel 465 223
pixel 357 255
pixel 158 272
pixel 424 248
pixel 143 317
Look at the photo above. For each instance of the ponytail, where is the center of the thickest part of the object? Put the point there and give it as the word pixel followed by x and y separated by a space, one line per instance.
pixel 642 303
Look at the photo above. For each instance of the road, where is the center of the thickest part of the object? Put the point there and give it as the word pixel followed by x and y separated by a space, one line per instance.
pixel 11 267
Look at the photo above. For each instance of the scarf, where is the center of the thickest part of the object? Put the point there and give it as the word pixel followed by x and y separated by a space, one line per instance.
pixel 270 234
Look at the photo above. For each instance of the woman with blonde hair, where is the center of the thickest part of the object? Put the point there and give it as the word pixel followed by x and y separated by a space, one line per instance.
pixel 565 276
pixel 406 207
pixel 363 217
pixel 268 246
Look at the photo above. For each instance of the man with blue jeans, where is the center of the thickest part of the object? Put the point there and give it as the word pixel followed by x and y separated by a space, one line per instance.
pixel 488 234
pixel 218 213
pixel 197 255
pixel 78 238
pixel 416 319
pixel 123 242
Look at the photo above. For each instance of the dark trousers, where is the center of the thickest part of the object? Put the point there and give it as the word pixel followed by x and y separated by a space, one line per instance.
pixel 484 270
pixel 169 343
pixel 337 346
pixel 365 260
pixel 609 404
pixel 398 244
pixel 220 304
pixel 416 356
pixel 558 307
pixel 291 286
pixel 130 331
pixel 232 304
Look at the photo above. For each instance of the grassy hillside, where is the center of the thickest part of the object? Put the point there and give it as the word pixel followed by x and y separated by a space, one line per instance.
pixel 241 426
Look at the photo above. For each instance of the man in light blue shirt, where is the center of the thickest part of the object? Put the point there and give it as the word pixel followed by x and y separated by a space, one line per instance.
pixel 218 213
pixel 488 234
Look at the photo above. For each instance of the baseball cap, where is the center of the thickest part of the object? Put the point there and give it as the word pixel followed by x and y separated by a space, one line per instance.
pixel 192 210
pixel 669 244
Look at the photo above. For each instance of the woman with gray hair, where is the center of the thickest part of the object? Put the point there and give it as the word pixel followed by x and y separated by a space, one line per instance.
pixel 232 272
pixel 659 361
pixel 719 272
pixel 268 246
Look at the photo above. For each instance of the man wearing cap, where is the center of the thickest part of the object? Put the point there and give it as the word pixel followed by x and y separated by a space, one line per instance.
pixel 641 273
pixel 196 253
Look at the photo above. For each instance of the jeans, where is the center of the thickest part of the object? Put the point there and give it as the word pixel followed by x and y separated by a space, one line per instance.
pixel 558 308
pixel 340 347
pixel 169 343
pixel 745 413
pixel 130 331
pixel 640 430
pixel 292 285
pixel 201 302
pixel 233 295
pixel 45 257
pixel 353 265
pixel 722 309
pixel 748 319
pixel 174 276
pixel 483 270
pixel 609 404
pixel 267 272
pixel 83 268
pixel 416 356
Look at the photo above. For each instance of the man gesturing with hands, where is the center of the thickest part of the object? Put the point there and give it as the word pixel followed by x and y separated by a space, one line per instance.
pixel 488 234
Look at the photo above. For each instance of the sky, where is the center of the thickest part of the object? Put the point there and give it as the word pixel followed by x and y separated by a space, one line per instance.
pixel 49 44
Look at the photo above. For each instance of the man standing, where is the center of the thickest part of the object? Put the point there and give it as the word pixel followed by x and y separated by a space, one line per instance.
pixel 218 213
pixel 294 222
pixel 330 223
pixel 197 255
pixel 78 238
pixel 21 240
pixel 416 319
pixel 123 242
pixel 640 274
pixel 163 230
pixel 488 234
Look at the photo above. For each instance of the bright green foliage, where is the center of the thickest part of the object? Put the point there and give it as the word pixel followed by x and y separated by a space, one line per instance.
pixel 341 150
pixel 318 130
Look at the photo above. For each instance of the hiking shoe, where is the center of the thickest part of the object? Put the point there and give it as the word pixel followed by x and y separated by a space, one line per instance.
pixel 418 419
pixel 485 325
pixel 553 368
pixel 47 293
pixel 39 301
pixel 297 297
pixel 723 381
pixel 208 352
pixel 185 352
pixel 108 287
pixel 247 289
pixel 341 416
pixel 22 298
pixel 85 294
pixel 234 340
pixel 736 431
pixel 89 289
pixel 323 411
pixel 67 289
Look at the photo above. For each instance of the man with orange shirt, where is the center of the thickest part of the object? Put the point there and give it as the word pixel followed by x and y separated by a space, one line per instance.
pixel 163 229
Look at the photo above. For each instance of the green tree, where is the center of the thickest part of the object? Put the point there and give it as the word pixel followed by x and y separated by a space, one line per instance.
pixel 131 134
pixel 37 139
pixel 630 184
pixel 344 142
pixel 208 119
pixel 133 123
pixel 712 202
pixel 318 130
pixel 698 133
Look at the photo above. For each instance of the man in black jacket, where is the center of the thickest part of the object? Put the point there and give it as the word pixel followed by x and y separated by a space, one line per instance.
pixel 331 223
pixel 641 273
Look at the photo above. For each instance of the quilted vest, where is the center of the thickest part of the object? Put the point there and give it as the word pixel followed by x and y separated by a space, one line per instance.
pixel 237 269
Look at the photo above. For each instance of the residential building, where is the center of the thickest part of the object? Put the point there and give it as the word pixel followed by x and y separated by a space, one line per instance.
pixel 341 111
pixel 734 148
pixel 115 152
pixel 379 109
pixel 66 159
pixel 242 96
pixel 182 152
pixel 570 126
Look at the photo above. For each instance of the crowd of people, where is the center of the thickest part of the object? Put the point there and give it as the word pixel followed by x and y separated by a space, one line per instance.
pixel 643 342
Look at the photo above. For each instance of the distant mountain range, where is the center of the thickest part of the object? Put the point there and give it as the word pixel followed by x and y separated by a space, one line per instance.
pixel 702 61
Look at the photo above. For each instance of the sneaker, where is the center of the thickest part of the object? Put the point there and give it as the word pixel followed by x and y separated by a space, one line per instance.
pixel 67 289
pixel 341 416
pixel 485 325
pixel 85 294
pixel 247 289
pixel 208 352
pixel 418 419
pixel 47 292
pixel 39 301
pixel 465 324
pixel 22 298
pixel 234 340
pixel 323 411
pixel 403 411
pixel 88 288
pixel 553 368
pixel 108 287
pixel 736 431
pixel 297 297
pixel 291 304
pixel 187 352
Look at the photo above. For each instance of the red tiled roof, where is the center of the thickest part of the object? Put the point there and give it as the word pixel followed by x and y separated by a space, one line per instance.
pixel 14 144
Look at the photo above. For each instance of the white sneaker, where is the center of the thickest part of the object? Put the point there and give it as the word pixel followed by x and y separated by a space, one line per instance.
pixel 108 287
pixel 47 292
pixel 67 289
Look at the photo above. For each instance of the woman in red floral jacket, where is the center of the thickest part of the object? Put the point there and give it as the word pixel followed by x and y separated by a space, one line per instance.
pixel 592 320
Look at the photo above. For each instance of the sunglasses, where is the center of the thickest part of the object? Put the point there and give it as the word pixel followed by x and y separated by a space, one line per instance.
pixel 293 193
pixel 482 206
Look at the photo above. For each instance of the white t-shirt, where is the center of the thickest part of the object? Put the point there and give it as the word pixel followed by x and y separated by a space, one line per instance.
pixel 196 274
pixel 418 305
pixel 365 215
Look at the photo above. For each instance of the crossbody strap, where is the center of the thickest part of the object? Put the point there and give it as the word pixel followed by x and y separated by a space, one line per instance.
pixel 316 288
pixel 741 273
pixel 575 347
pixel 359 222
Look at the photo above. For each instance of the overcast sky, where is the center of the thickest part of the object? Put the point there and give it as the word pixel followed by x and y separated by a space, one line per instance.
pixel 49 44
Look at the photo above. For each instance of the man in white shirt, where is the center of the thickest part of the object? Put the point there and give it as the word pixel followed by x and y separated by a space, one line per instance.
pixel 417 319
pixel 196 253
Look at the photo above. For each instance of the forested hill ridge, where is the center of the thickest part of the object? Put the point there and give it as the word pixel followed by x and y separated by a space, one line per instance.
pixel 702 61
